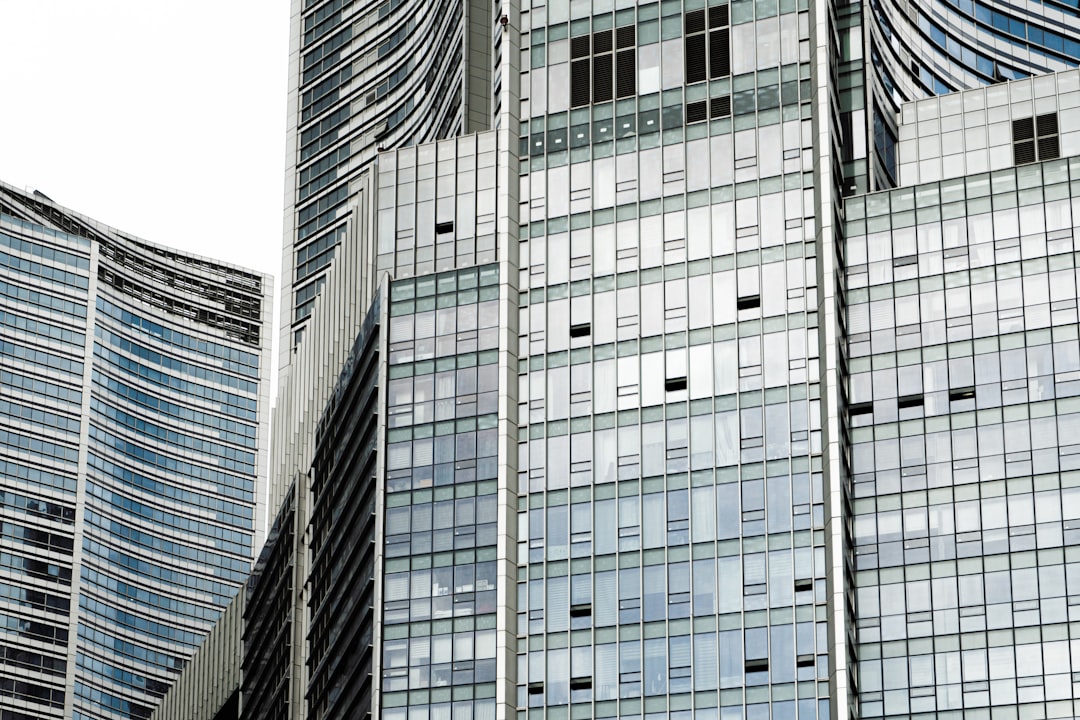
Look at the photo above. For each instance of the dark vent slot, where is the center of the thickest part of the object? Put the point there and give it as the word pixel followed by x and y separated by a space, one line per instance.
pixel 695 112
pixel 601 42
pixel 579 83
pixel 624 37
pixel 1024 152
pixel 759 665
pixel 749 302
pixel 861 408
pixel 718 16
pixel 1047 124
pixel 695 22
pixel 965 393
pixel 579 611
pixel 581 683
pixel 720 107
pixel 602 81
pixel 626 73
pixel 804 584
pixel 804 661
pixel 909 401
pixel 580 330
pixel 1023 129
pixel 536 688
pixel 719 54
pixel 675 384
pixel 444 227
pixel 695 58
pixel 579 47
pixel 1049 148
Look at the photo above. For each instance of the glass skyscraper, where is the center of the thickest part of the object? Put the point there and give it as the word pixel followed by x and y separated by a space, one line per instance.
pixel 726 373
pixel 963 352
pixel 133 427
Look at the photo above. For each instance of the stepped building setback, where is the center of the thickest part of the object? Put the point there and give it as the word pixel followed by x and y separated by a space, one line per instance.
pixel 711 359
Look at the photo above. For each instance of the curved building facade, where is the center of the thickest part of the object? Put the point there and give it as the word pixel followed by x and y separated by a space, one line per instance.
pixel 133 421
pixel 912 49
pixel 364 76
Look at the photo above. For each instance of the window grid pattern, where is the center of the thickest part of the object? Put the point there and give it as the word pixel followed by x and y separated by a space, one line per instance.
pixel 964 364
pixel 439 596
pixel 42 340
pixel 670 557
pixel 436 206
pixel 170 464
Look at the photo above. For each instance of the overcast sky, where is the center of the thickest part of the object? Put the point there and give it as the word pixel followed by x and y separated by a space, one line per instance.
pixel 163 118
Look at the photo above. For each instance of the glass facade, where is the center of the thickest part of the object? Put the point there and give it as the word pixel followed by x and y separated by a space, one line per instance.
pixel 426 89
pixel 44 286
pixel 670 405
pixel 131 420
pixel 964 358
pixel 670 504
pixel 441 507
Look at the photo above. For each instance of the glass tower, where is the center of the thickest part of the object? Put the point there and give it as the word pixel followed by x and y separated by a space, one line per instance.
pixel 723 374
pixel 963 352
pixel 133 422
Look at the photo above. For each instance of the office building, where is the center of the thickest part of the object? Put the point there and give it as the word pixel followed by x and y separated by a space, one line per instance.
pixel 685 403
pixel 133 428
pixel 962 359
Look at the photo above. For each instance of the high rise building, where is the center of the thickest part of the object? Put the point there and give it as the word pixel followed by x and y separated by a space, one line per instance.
pixel 725 374
pixel 363 78
pixel 133 427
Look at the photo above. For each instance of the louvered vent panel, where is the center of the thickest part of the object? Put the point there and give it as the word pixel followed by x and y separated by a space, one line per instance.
pixel 579 47
pixel 624 37
pixel 695 22
pixel 1047 124
pixel 719 54
pixel 695 58
pixel 1024 152
pixel 579 82
pixel 626 73
pixel 718 16
pixel 720 107
pixel 602 41
pixel 1023 129
pixel 696 112
pixel 602 79
pixel 1049 148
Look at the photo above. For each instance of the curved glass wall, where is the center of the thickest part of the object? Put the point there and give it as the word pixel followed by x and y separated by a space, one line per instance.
pixel 931 48
pixel 44 307
pixel 370 76
pixel 131 418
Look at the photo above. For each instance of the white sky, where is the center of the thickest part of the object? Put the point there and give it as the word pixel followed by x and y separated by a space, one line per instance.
pixel 162 118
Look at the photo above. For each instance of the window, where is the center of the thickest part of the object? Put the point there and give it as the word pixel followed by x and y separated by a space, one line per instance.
pixel 1036 139
pixel 603 66
pixel 707 44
